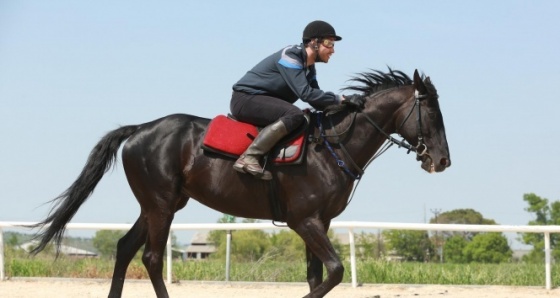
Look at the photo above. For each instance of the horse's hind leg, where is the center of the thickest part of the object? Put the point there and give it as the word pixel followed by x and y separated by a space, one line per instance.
pixel 314 234
pixel 159 225
pixel 127 247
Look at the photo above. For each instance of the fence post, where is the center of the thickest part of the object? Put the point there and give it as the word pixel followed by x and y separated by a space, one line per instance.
pixel 547 260
pixel 352 258
pixel 169 259
pixel 2 274
pixel 228 252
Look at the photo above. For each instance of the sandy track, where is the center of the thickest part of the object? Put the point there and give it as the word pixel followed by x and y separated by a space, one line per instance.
pixel 85 288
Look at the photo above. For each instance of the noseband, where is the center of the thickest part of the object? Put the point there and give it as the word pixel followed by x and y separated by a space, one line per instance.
pixel 420 149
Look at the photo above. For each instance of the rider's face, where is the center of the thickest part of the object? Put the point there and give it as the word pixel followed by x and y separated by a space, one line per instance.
pixel 326 49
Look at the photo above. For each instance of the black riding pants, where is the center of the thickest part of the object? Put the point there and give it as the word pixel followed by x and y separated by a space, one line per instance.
pixel 263 110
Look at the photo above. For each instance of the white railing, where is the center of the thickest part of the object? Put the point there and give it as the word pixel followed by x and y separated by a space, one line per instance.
pixel 350 225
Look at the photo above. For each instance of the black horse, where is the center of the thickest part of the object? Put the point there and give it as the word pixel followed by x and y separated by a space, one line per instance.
pixel 165 167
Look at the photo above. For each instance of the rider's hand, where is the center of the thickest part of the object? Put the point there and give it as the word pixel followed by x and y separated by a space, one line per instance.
pixel 355 100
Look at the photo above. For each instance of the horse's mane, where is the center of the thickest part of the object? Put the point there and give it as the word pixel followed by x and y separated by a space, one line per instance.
pixel 376 80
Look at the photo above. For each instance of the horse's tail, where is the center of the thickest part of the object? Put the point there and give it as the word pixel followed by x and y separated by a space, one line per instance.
pixel 67 204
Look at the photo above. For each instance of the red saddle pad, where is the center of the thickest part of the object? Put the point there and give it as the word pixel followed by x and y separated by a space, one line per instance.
pixel 229 136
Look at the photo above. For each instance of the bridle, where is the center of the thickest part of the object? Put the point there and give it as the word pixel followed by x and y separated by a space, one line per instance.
pixel 420 149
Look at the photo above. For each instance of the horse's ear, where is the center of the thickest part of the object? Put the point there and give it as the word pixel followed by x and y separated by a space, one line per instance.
pixel 418 84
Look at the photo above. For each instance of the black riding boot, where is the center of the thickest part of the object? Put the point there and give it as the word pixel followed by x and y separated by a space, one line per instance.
pixel 248 162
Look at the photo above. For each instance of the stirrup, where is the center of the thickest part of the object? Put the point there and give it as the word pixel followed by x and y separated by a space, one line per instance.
pixel 240 164
pixel 263 175
pixel 239 167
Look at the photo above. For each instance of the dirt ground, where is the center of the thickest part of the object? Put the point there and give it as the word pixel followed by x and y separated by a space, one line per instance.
pixel 85 288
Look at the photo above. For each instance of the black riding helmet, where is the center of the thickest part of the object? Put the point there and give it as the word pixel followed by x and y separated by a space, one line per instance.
pixel 319 29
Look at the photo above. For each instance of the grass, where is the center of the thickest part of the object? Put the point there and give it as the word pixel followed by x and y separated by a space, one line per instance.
pixel 512 274
pixel 368 271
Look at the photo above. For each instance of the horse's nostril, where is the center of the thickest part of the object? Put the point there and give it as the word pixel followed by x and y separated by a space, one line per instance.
pixel 445 162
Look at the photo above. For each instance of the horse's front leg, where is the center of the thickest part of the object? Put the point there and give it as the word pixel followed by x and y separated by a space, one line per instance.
pixel 314 265
pixel 314 233
pixel 314 269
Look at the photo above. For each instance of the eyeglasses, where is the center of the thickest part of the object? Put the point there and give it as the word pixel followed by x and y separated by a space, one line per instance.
pixel 327 43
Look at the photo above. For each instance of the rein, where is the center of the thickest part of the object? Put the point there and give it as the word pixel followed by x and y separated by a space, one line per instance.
pixel 420 149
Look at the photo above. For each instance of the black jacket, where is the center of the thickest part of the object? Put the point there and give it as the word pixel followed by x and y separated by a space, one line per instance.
pixel 285 75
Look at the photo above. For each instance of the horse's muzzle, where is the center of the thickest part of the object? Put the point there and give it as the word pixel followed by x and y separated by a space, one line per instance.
pixel 432 165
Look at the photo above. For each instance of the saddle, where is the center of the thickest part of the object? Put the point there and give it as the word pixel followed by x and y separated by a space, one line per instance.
pixel 229 137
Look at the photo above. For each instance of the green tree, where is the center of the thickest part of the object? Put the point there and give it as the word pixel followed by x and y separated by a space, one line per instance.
pixel 246 245
pixel 411 245
pixel 249 245
pixel 461 216
pixel 488 248
pixel 287 246
pixel 219 236
pixel 12 241
pixel 546 214
pixel 105 241
pixel 452 252
pixel 369 246
pixel 453 249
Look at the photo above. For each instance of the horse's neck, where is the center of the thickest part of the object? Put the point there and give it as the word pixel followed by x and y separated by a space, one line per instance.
pixel 389 106
pixel 366 139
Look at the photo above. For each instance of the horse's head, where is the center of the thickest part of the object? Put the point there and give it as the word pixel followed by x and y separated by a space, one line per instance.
pixel 422 126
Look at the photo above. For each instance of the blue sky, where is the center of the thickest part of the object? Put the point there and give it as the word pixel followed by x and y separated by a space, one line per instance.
pixel 70 71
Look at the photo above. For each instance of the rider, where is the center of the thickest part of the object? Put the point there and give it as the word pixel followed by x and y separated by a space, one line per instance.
pixel 264 96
